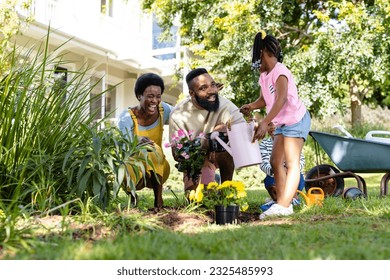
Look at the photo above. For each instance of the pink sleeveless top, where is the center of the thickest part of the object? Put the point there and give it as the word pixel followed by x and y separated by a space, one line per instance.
pixel 294 109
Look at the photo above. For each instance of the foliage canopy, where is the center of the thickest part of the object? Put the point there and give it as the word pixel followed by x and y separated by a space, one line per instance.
pixel 337 50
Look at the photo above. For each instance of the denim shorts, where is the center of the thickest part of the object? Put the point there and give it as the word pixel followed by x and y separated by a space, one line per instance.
pixel 298 130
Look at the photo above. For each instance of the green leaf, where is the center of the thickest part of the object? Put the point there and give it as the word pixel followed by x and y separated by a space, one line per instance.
pixel 83 182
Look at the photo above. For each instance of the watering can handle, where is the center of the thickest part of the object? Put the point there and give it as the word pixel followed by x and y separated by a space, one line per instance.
pixel 316 189
pixel 252 126
pixel 214 136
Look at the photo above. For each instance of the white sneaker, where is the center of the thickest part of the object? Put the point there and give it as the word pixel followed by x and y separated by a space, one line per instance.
pixel 264 207
pixel 277 210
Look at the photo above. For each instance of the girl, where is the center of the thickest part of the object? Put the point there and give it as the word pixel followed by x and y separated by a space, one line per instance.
pixel 279 94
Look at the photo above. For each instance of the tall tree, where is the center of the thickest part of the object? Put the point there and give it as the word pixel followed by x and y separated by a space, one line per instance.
pixel 350 52
pixel 338 50
pixel 11 23
pixel 220 33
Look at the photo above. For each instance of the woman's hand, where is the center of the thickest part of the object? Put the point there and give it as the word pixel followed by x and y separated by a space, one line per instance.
pixel 142 140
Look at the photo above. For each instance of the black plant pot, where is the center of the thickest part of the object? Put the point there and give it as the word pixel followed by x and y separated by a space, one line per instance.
pixel 227 214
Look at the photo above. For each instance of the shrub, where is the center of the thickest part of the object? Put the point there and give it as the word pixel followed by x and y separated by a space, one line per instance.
pixel 96 166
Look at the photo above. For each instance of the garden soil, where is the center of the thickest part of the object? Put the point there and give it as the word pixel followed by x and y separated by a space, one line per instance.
pixel 168 219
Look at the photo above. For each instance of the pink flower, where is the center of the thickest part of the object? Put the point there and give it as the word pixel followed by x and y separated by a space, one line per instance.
pixel 185 155
pixel 191 134
pixel 179 146
pixel 181 133
pixel 167 145
pixel 202 135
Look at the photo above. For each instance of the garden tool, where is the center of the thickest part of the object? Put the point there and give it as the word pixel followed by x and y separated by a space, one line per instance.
pixel 314 196
pixel 240 146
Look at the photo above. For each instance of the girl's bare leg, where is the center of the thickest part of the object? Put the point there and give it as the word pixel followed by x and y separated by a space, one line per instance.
pixel 277 162
pixel 292 152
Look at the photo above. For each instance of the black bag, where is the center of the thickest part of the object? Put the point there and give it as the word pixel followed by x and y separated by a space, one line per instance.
pixel 214 145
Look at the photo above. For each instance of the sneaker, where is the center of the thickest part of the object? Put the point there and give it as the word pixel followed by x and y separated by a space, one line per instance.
pixel 264 207
pixel 295 202
pixel 277 210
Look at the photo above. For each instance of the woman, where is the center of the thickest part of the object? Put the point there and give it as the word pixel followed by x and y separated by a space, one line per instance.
pixel 146 121
pixel 279 94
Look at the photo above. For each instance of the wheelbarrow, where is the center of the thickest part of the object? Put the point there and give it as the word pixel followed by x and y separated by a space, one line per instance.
pixel 350 155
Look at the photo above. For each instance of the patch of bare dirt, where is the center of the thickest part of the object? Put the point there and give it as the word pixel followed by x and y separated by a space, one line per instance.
pixel 246 217
pixel 190 222
pixel 171 219
pixel 184 222
pixel 56 224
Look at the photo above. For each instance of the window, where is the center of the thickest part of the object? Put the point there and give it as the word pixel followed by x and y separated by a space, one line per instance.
pixel 157 30
pixel 95 105
pixel 60 81
pixel 102 104
pixel 106 7
pixel 110 101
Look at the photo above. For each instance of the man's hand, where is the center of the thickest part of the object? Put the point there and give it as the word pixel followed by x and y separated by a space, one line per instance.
pixel 220 127
pixel 260 131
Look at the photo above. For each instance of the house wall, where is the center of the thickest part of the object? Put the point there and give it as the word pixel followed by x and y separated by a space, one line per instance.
pixel 118 48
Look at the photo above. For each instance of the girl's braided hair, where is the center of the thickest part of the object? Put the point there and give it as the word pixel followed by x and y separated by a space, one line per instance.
pixel 263 41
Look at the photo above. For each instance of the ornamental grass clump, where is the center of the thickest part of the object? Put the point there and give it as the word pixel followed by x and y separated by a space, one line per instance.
pixel 52 151
pixel 225 194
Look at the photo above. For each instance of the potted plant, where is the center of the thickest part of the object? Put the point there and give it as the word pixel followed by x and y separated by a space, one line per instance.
pixel 227 199
pixel 188 152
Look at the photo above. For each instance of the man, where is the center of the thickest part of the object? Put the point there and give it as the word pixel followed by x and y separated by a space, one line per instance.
pixel 204 111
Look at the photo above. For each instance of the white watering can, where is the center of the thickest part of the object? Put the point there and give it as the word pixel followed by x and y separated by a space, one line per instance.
pixel 240 146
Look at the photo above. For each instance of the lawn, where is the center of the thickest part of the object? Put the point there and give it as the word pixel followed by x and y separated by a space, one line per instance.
pixel 340 230
pixel 47 210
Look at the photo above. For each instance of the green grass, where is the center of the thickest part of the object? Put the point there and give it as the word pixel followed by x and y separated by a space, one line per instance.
pixel 340 230
pixel 59 178
pixel 322 240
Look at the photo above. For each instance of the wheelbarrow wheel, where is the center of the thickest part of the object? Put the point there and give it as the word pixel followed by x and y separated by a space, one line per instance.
pixel 332 186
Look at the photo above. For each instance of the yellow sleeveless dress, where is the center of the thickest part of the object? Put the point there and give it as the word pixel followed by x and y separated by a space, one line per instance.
pixel 161 165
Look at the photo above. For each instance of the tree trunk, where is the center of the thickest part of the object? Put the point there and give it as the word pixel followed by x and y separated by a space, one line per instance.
pixel 356 103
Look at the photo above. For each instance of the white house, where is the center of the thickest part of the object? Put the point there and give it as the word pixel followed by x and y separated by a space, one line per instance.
pixel 114 39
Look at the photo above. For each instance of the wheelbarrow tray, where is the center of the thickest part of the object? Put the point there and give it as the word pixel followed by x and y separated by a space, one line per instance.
pixel 354 154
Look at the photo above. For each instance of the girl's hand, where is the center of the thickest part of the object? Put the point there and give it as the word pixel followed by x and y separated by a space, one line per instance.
pixel 219 86
pixel 245 109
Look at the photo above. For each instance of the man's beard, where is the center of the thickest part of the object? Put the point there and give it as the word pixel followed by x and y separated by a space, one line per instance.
pixel 205 104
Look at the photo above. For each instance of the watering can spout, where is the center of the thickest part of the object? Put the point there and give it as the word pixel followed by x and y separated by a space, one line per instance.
pixel 214 136
pixel 305 197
